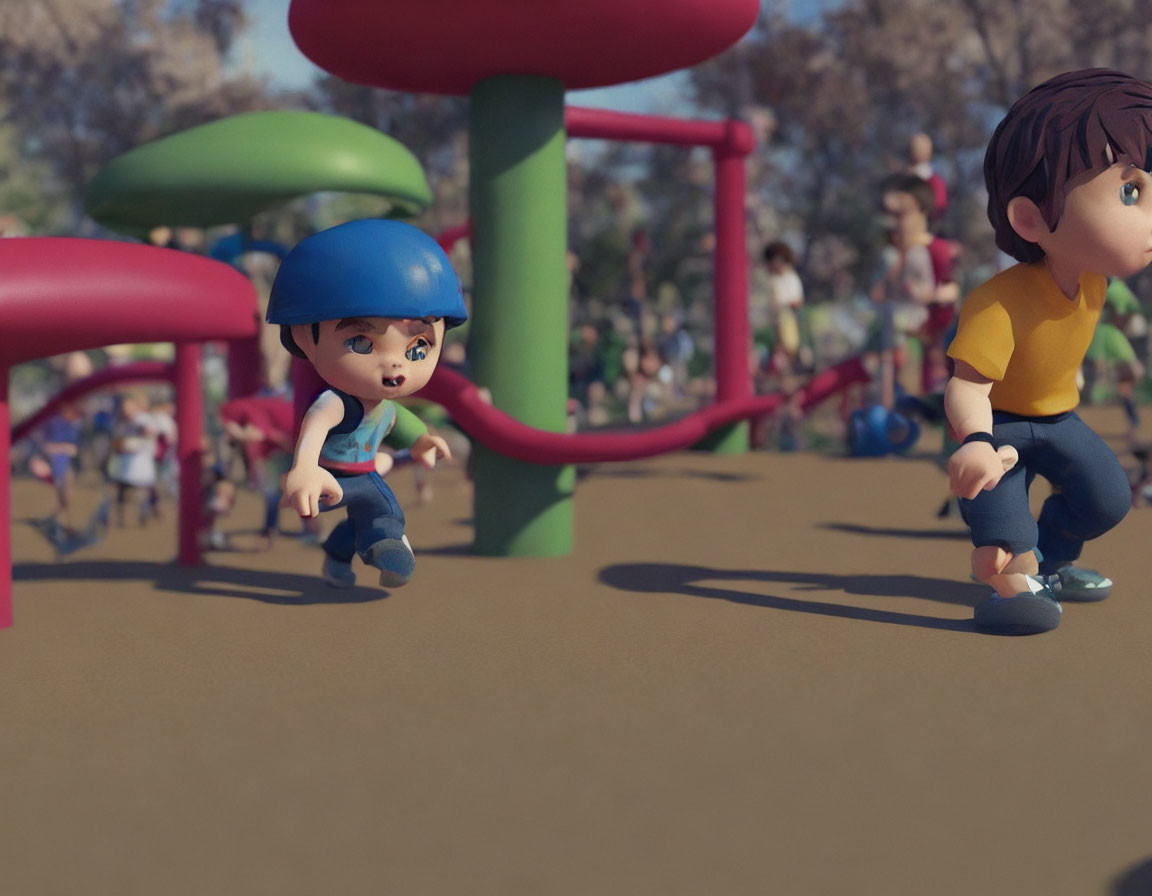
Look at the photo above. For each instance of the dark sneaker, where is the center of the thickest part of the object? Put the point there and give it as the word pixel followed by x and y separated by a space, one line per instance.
pixel 393 557
pixel 1073 583
pixel 337 574
pixel 1024 614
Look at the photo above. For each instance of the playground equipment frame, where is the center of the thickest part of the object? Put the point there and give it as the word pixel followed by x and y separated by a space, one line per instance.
pixel 731 141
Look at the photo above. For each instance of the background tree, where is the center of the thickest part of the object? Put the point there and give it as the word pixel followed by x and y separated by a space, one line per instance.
pixel 23 209
pixel 834 98
pixel 433 127
pixel 837 99
pixel 85 80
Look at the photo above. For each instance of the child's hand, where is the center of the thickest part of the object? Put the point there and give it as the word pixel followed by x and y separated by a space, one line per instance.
pixel 427 448
pixel 978 466
pixel 384 462
pixel 305 487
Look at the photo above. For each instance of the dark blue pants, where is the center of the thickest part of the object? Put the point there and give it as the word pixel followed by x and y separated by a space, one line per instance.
pixel 1091 493
pixel 373 515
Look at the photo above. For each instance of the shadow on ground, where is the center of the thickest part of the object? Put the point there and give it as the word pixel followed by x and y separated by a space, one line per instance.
pixel 699 581
pixel 1136 881
pixel 890 532
pixel 222 581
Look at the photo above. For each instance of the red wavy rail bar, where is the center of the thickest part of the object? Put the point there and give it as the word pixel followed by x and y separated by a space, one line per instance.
pixel 135 372
pixel 496 430
pixel 505 435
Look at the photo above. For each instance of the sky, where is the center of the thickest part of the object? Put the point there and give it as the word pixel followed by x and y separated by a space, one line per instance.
pixel 270 48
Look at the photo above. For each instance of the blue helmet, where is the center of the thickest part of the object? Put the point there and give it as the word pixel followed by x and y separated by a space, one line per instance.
pixel 367 268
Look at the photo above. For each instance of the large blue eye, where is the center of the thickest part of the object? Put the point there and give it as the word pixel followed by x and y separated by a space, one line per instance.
pixel 417 352
pixel 1129 193
pixel 361 344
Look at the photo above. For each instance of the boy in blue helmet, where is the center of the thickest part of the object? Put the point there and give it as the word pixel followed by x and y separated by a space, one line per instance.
pixel 367 303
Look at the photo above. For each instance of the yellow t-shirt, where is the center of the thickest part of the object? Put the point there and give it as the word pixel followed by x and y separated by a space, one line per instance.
pixel 1025 335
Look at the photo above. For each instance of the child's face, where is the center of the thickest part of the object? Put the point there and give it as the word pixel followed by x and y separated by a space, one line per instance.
pixel 898 204
pixel 1106 226
pixel 374 358
pixel 131 405
pixel 905 212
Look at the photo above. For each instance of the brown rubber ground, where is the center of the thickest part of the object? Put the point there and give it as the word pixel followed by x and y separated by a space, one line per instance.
pixel 754 675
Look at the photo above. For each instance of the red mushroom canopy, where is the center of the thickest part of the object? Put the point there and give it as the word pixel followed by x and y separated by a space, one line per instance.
pixel 445 46
pixel 61 294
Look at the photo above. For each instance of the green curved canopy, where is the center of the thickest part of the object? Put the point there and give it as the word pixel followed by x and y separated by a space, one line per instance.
pixel 227 171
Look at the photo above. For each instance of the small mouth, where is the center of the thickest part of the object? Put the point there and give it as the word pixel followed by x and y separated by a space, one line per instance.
pixel 393 382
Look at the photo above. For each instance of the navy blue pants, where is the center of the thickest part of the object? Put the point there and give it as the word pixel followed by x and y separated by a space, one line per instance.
pixel 373 515
pixel 1091 493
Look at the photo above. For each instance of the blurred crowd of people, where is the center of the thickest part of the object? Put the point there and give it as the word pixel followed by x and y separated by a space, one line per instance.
pixel 635 358
pixel 644 355
pixel 126 440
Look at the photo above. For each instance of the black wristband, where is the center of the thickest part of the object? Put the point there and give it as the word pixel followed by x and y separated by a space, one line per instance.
pixel 979 436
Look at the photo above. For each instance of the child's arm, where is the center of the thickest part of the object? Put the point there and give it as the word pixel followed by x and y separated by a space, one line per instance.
pixel 428 448
pixel 411 432
pixel 307 482
pixel 976 466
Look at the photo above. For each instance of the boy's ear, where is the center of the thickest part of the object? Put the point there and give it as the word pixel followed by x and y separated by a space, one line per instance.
pixel 1025 217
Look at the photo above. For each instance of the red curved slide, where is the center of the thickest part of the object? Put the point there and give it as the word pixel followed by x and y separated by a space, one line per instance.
pixel 62 294
pixel 505 435
pixel 135 372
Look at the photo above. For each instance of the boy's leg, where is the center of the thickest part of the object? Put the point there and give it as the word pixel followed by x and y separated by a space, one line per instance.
pixel 340 545
pixel 1003 571
pixel 339 549
pixel 378 523
pixel 1000 519
pixel 1091 492
pixel 121 501
pixel 1004 535
pixel 271 511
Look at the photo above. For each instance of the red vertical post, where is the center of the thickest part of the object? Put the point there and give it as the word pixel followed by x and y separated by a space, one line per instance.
pixel 245 376
pixel 730 277
pixel 5 503
pixel 189 449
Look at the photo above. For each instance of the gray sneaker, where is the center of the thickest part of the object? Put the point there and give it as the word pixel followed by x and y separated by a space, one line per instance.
pixel 1075 584
pixel 393 557
pixel 337 574
pixel 1027 613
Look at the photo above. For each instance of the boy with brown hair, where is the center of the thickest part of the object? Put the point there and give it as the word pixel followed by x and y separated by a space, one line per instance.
pixel 1070 197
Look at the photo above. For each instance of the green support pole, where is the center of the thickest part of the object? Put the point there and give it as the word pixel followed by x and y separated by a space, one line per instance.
pixel 519 330
pixel 730 439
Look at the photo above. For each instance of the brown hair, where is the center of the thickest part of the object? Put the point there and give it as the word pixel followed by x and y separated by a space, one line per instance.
pixel 779 249
pixel 1076 122
pixel 913 185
